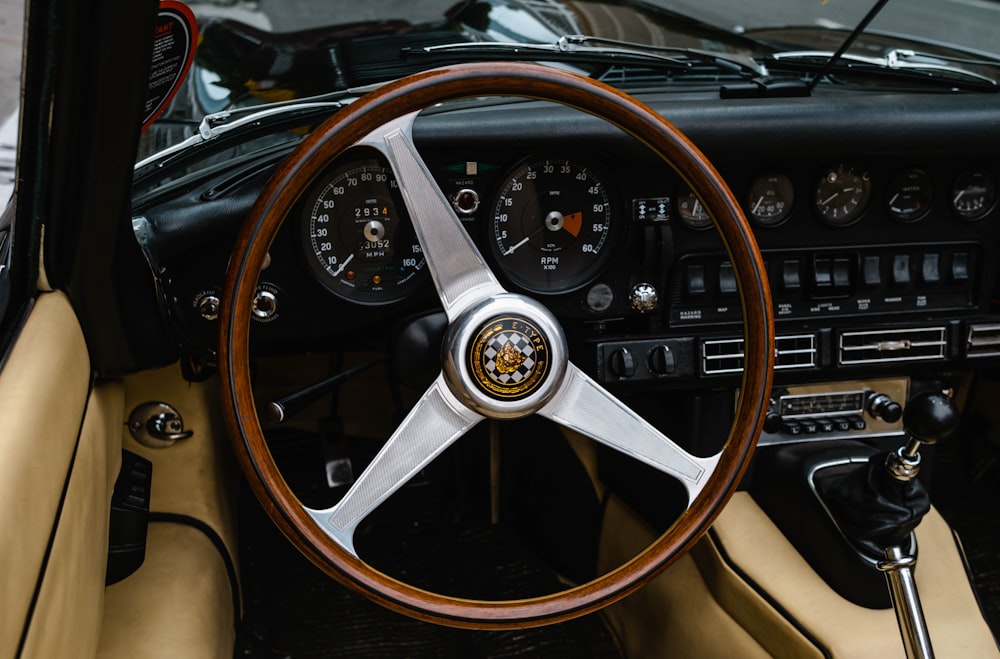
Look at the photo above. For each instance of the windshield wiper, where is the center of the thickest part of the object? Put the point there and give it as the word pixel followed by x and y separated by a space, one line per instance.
pixel 238 122
pixel 896 60
pixel 578 48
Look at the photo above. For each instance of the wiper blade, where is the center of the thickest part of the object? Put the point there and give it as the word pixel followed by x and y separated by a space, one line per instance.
pixel 238 121
pixel 577 48
pixel 898 59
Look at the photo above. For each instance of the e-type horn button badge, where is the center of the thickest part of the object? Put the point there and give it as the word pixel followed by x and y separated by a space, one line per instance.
pixel 509 358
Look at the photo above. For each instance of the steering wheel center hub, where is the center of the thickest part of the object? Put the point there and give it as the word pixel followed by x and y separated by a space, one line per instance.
pixel 509 358
pixel 505 356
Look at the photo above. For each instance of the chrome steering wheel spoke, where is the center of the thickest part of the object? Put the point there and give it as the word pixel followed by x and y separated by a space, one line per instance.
pixel 459 271
pixel 437 420
pixel 582 405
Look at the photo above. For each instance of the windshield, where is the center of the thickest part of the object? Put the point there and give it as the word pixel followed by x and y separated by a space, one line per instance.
pixel 254 54
pixel 972 24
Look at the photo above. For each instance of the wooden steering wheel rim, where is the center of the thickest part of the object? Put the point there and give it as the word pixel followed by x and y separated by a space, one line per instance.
pixel 342 131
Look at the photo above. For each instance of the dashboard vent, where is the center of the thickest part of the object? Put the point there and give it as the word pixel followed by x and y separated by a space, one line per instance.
pixel 984 340
pixel 893 345
pixel 719 356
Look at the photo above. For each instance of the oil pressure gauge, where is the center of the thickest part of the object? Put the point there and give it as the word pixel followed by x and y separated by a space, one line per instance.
pixel 770 199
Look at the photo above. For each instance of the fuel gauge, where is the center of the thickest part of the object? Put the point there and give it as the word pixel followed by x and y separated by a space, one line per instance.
pixel 973 194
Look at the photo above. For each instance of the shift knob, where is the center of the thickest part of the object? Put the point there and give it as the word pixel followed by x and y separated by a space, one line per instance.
pixel 930 416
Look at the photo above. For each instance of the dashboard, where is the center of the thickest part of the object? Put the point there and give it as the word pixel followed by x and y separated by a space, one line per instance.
pixel 876 215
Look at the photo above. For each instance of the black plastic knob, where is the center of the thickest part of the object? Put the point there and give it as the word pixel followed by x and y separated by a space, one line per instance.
pixel 661 360
pixel 930 416
pixel 622 363
pixel 882 407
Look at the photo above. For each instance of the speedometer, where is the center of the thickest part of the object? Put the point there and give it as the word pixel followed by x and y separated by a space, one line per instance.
pixel 550 230
pixel 356 236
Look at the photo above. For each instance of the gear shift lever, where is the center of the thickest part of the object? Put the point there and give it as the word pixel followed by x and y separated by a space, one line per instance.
pixel 928 418
pixel 877 505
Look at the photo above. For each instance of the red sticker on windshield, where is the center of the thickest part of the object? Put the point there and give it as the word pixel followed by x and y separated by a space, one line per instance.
pixel 174 43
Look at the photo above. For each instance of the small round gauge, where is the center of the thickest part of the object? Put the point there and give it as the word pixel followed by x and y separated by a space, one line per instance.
pixel 550 230
pixel 770 199
pixel 909 195
pixel 973 194
pixel 842 195
pixel 356 235
pixel 691 210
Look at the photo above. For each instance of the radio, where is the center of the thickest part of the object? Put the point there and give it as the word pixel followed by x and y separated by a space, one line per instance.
pixel 836 410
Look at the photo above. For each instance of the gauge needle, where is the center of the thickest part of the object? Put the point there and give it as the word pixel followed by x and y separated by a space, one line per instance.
pixel 336 273
pixel 513 248
pixel 829 199
pixel 756 207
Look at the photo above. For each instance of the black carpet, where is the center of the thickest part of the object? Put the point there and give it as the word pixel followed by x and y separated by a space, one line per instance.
pixel 293 610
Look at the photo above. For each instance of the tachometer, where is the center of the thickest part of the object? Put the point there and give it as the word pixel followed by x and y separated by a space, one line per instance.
pixel 550 230
pixel 356 235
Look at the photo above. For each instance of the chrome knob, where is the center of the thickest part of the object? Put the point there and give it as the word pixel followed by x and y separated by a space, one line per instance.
pixel 643 297
pixel 208 307
pixel 265 305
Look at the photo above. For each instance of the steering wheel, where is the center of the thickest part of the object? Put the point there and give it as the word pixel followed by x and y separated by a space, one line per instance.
pixel 484 318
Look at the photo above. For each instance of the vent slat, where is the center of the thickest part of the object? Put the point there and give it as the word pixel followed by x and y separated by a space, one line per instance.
pixel 983 340
pixel 895 345
pixel 722 356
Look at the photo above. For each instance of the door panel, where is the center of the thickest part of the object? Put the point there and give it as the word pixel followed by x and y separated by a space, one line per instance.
pixel 57 472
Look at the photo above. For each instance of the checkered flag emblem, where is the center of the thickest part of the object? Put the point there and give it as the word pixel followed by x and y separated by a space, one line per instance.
pixel 509 357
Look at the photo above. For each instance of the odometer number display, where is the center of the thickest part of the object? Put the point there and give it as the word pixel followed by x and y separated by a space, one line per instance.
pixel 356 235
pixel 551 226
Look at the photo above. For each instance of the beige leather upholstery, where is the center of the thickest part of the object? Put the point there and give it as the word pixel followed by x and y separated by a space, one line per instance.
pixel 53 549
pixel 704 603
pixel 43 396
pixel 179 603
pixel 956 625
pixel 676 615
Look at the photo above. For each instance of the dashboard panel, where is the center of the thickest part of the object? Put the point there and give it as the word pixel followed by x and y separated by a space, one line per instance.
pixel 881 253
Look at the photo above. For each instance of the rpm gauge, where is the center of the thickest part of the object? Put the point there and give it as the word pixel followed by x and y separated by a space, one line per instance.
pixel 551 226
pixel 356 235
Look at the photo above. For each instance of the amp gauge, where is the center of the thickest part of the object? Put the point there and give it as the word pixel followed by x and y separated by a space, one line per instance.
pixel 690 209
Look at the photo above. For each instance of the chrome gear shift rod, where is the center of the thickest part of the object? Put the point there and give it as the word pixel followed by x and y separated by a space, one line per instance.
pixel 928 418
